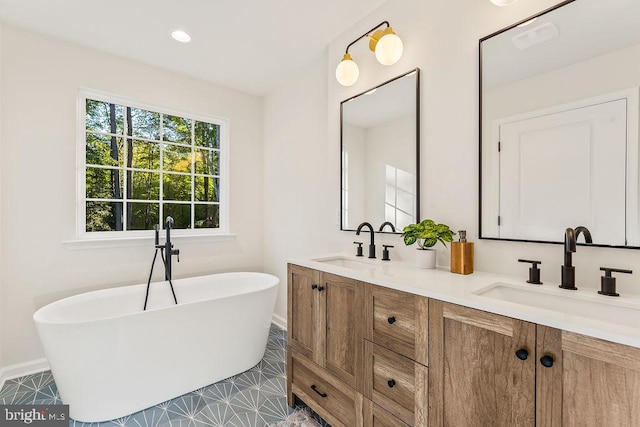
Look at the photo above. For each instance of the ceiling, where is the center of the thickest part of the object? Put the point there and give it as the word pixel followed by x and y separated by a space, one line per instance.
pixel 388 102
pixel 249 45
pixel 586 29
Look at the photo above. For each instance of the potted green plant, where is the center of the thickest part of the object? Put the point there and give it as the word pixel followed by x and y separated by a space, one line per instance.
pixel 426 234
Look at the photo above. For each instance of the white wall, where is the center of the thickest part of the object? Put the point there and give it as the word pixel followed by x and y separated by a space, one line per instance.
pixel 285 160
pixel 300 216
pixel 40 78
pixel 387 145
pixel 353 143
pixel 2 298
pixel 571 83
pixel 441 38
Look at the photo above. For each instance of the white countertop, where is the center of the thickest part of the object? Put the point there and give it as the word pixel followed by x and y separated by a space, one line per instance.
pixel 443 285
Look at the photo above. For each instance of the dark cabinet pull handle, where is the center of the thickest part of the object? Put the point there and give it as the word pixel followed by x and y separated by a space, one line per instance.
pixel 391 383
pixel 320 288
pixel 313 387
pixel 546 361
pixel 391 320
pixel 522 354
pixel 314 286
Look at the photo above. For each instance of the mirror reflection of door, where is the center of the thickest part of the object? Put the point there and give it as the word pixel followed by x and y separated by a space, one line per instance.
pixel 531 75
pixel 566 168
pixel 379 134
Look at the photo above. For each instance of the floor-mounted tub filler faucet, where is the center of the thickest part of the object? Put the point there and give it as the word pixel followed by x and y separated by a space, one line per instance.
pixel 568 270
pixel 165 248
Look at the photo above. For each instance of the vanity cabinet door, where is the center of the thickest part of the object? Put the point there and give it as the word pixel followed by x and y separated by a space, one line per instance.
pixel 475 376
pixel 586 381
pixel 342 306
pixel 303 314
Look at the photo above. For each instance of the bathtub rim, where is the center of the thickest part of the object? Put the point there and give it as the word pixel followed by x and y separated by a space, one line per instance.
pixel 39 315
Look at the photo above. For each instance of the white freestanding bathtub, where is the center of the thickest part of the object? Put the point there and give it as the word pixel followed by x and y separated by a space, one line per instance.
pixel 109 358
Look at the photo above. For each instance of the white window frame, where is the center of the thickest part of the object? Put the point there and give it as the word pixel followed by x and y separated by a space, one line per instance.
pixel 82 234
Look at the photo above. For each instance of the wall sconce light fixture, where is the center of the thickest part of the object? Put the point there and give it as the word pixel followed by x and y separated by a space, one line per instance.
pixel 503 2
pixel 386 45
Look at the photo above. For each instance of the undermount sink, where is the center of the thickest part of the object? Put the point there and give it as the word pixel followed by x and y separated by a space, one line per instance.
pixel 590 306
pixel 345 263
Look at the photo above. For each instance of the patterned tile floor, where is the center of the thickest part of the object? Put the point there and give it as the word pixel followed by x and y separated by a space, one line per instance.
pixel 255 398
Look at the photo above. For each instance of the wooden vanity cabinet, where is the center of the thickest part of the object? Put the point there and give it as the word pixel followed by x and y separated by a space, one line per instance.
pixel 363 355
pixel 303 313
pixel 590 382
pixel 398 321
pixel 487 369
pixel 325 318
pixel 395 361
pixel 375 416
pixel 475 377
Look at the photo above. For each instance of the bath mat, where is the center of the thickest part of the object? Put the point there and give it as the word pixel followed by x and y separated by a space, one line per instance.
pixel 299 418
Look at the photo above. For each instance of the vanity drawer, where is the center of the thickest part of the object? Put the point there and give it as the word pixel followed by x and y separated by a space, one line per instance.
pixel 398 321
pixel 337 403
pixel 375 416
pixel 396 383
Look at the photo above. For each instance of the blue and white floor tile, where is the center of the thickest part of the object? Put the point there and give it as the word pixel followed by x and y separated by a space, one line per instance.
pixel 255 398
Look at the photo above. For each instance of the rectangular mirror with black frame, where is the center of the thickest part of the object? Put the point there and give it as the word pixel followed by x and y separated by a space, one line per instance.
pixel 559 119
pixel 379 155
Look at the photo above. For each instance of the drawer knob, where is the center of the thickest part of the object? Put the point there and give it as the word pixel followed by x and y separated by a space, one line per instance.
pixel 320 288
pixel 522 354
pixel 314 286
pixel 391 320
pixel 391 383
pixel 313 387
pixel 546 361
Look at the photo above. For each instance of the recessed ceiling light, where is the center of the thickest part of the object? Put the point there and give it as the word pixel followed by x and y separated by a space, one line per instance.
pixel 181 36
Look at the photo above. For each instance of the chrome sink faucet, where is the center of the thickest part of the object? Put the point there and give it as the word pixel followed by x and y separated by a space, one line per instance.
pixel 568 270
pixel 372 246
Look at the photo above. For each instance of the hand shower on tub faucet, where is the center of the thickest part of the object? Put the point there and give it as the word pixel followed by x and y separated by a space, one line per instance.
pixel 167 248
pixel 169 251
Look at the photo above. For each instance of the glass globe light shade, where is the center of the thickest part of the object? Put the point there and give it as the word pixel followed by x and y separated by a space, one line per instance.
pixel 389 48
pixel 347 71
pixel 503 2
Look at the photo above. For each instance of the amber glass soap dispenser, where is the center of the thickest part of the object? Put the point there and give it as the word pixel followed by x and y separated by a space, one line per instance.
pixel 462 255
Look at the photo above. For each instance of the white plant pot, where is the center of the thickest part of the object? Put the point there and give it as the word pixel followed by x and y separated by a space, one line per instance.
pixel 426 258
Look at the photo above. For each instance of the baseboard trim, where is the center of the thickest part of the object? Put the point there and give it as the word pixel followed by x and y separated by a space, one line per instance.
pixel 279 321
pixel 21 369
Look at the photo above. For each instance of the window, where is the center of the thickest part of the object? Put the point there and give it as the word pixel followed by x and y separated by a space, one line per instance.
pixel 141 164
pixel 400 198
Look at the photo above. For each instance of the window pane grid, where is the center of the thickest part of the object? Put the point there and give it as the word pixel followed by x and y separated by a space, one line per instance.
pixel 89 165
pixel 124 135
pixel 179 155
